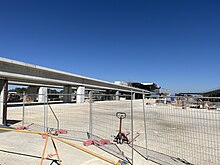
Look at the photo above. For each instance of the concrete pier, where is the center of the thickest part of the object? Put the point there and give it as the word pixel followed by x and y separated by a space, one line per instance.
pixel 67 97
pixel 42 95
pixel 32 92
pixel 80 97
pixel 117 95
pixel 3 101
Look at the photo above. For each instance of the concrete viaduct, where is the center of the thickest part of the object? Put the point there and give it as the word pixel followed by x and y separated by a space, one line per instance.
pixel 20 73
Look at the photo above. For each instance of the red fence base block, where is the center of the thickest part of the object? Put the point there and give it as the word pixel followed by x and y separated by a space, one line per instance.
pixel 44 136
pixel 96 142
pixel 60 131
pixel 88 142
pixel 102 142
pixel 21 128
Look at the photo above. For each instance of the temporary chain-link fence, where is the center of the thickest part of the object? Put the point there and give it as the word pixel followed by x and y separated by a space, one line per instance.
pixel 166 130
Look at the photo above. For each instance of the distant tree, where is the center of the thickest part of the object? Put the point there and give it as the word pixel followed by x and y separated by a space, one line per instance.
pixel 52 91
pixel 18 90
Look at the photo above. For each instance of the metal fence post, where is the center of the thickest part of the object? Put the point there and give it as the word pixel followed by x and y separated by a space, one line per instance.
pixel 90 113
pixel 132 129
pixel 44 117
pixel 23 110
pixel 145 125
pixel 45 113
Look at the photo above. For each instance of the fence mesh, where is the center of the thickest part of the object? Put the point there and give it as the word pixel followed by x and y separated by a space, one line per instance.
pixel 184 129
pixel 71 117
pixel 51 114
pixel 15 109
pixel 34 115
pixel 105 123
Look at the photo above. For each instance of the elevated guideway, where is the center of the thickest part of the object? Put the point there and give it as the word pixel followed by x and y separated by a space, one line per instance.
pixel 14 71
pixel 20 73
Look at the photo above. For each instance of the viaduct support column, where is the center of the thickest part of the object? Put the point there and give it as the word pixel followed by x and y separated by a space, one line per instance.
pixel 133 96
pixel 80 97
pixel 42 95
pixel 67 98
pixel 32 92
pixel 3 101
pixel 117 95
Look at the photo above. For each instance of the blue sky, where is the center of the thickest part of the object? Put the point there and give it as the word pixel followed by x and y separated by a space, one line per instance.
pixel 173 43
